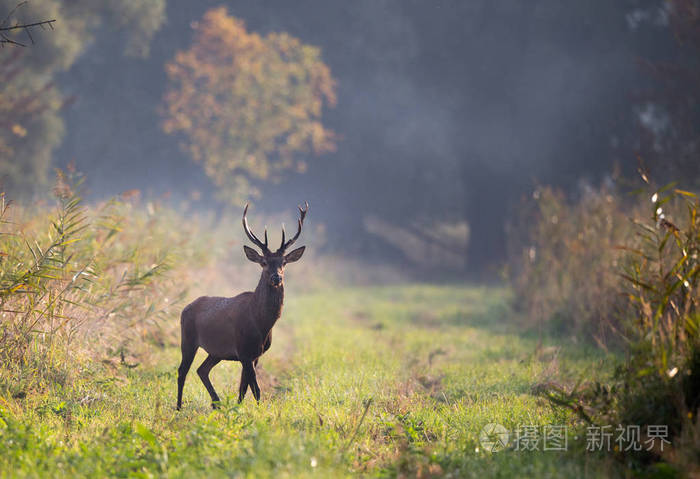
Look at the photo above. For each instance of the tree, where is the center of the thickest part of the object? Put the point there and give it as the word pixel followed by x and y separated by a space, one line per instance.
pixel 6 29
pixel 31 126
pixel 246 104
pixel 669 111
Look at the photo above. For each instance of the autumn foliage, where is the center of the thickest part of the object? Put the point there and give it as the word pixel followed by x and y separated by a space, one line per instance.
pixel 245 103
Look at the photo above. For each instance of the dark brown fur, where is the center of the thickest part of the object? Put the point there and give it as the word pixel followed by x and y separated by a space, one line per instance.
pixel 238 328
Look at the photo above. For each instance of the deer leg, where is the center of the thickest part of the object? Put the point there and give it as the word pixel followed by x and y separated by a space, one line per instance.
pixel 203 372
pixel 268 343
pixel 188 353
pixel 252 380
pixel 243 386
pixel 266 346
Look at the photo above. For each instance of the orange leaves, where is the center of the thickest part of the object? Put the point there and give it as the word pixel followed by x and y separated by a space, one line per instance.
pixel 19 130
pixel 245 104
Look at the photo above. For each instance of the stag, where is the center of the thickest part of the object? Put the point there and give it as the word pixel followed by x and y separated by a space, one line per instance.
pixel 238 328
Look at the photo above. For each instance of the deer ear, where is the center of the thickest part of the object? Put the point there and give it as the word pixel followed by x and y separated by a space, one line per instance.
pixel 295 255
pixel 252 255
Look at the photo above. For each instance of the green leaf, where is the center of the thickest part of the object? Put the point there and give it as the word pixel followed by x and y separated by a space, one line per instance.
pixel 685 193
pixel 145 433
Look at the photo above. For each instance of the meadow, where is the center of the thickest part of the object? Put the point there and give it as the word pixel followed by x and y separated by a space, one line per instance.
pixel 451 315
pixel 369 373
pixel 384 381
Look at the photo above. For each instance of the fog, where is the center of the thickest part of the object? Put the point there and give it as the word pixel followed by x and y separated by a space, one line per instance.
pixel 447 111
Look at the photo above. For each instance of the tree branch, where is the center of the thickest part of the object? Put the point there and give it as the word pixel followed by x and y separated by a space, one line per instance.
pixel 4 39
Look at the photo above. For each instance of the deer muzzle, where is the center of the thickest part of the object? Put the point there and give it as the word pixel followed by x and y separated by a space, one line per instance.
pixel 276 279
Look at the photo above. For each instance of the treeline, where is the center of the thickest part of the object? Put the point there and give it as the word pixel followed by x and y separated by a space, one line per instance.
pixel 566 92
pixel 32 101
pixel 619 265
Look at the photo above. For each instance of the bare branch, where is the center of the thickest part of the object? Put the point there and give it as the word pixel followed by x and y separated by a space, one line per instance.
pixel 9 15
pixel 4 39
pixel 28 25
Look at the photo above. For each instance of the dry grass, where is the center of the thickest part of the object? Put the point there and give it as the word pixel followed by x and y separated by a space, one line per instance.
pixel 106 282
pixel 565 260
pixel 601 266
pixel 79 282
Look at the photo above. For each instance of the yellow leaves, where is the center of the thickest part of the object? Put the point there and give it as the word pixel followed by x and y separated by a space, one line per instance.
pixel 246 103
pixel 320 138
pixel 19 130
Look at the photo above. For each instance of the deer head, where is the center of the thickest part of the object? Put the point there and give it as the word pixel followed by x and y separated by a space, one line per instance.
pixel 273 263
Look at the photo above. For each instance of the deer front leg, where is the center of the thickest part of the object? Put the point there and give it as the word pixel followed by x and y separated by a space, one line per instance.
pixel 268 343
pixel 243 386
pixel 254 382
pixel 248 378
pixel 266 346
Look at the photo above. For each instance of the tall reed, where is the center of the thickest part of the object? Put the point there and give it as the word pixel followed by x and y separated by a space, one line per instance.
pixel 78 282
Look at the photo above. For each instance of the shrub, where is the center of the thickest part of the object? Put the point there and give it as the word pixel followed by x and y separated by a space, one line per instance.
pixel 79 281
pixel 659 281
pixel 563 261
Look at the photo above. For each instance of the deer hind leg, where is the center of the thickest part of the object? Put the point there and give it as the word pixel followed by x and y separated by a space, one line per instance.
pixel 203 371
pixel 188 353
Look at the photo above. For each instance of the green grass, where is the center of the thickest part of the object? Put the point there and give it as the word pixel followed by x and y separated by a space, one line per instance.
pixel 430 365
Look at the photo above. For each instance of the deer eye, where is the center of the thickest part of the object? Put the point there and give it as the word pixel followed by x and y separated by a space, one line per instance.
pixel 263 263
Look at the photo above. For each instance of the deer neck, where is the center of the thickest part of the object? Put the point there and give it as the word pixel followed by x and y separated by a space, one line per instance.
pixel 268 304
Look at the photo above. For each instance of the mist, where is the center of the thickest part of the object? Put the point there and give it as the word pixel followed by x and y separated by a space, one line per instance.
pixel 386 238
pixel 446 110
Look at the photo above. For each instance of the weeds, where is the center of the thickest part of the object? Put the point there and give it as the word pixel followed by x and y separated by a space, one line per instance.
pixel 657 317
pixel 662 276
pixel 79 393
pixel 78 281
pixel 563 262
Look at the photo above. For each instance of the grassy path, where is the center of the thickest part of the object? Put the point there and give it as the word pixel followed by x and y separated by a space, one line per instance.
pixel 382 381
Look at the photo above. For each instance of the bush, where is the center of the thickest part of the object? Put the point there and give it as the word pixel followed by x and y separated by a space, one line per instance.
pixel 563 261
pixel 658 283
pixel 78 282
pixel 661 276
pixel 660 380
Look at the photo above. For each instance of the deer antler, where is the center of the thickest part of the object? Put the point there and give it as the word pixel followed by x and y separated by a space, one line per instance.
pixel 302 215
pixel 251 236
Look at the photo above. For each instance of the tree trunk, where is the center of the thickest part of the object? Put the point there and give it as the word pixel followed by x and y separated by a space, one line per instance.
pixel 487 195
